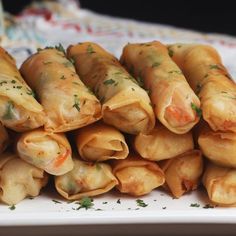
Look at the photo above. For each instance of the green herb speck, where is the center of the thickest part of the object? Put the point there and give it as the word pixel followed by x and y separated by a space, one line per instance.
pixel 90 49
pixel 196 109
pixel 141 203
pixel 194 205
pixel 109 82
pixel 76 102
pixel 56 202
pixel 9 111
pixel 155 64
pixel 86 203
pixel 12 207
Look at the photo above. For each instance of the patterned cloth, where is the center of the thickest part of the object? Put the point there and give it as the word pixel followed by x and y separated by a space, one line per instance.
pixel 48 23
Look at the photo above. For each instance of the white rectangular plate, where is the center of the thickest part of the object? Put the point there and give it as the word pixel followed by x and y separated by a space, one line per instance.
pixel 161 208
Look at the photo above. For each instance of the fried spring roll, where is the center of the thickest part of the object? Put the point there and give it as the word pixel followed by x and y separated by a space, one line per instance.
pixel 219 147
pixel 124 104
pixel 220 183
pixel 137 176
pixel 100 142
pixel 175 104
pixel 162 144
pixel 205 73
pixel 48 151
pixel 87 179
pixel 183 172
pixel 19 110
pixel 4 139
pixel 18 179
pixel 68 103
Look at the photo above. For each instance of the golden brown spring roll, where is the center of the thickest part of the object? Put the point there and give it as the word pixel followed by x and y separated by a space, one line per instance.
pixel 4 139
pixel 137 176
pixel 48 151
pixel 100 142
pixel 220 183
pixel 67 102
pixel 18 179
pixel 205 73
pixel 162 144
pixel 87 179
pixel 124 104
pixel 217 146
pixel 175 104
pixel 19 110
pixel 183 172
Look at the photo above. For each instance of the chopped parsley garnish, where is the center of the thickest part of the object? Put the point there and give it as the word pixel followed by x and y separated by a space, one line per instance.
pixel 155 64
pixel 215 67
pixel 76 102
pixel 140 81
pixel 18 87
pixel 90 49
pixel 175 71
pixel 60 48
pixel 71 60
pixel 12 207
pixel 9 111
pixel 3 82
pixel 39 49
pixel 207 206
pixel 13 81
pixel 86 203
pixel 170 52
pixel 63 77
pixel 141 203
pixel 194 205
pixel 30 92
pixel 56 202
pixel 118 201
pixel 109 82
pixel 67 64
pixel 196 109
pixel 104 202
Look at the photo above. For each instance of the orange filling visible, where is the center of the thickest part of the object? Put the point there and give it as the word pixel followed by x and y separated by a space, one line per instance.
pixel 61 158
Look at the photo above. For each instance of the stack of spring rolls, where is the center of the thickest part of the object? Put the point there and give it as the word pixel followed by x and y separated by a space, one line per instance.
pixel 133 123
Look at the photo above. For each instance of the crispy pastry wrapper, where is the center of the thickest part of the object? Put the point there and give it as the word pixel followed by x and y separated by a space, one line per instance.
pixel 48 151
pixel 183 172
pixel 206 74
pixel 18 179
pixel 67 102
pixel 125 104
pixel 137 176
pixel 19 110
pixel 219 147
pixel 174 102
pixel 161 144
pixel 87 179
pixel 220 183
pixel 100 142
pixel 4 139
